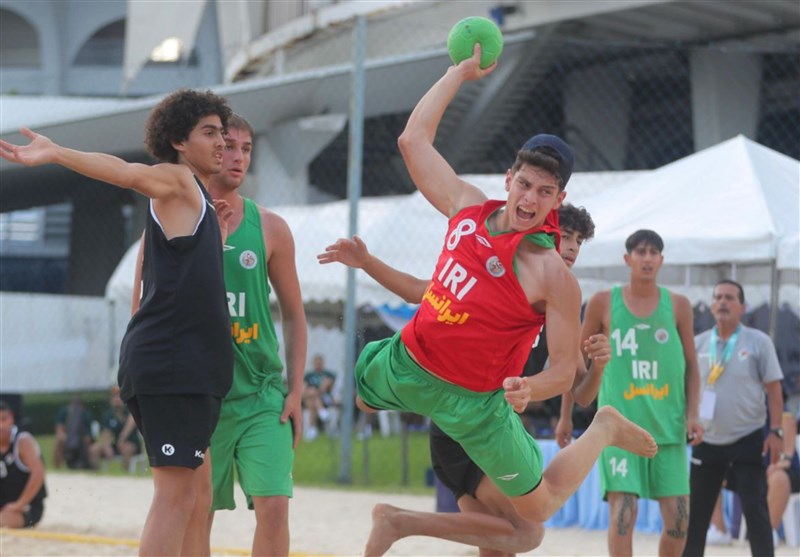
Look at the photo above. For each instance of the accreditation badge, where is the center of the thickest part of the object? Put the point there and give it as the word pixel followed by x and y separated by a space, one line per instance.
pixel 707 404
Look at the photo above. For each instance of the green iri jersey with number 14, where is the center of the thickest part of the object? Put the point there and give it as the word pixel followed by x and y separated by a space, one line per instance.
pixel 255 345
pixel 645 378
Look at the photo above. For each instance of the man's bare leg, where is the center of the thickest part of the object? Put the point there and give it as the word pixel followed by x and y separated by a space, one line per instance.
pixel 528 535
pixel 170 510
pixel 623 508
pixel 566 472
pixel 675 518
pixel 272 526
pixel 197 539
pixel 390 524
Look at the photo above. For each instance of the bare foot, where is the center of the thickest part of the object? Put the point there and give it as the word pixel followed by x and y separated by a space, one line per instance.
pixel 624 433
pixel 383 534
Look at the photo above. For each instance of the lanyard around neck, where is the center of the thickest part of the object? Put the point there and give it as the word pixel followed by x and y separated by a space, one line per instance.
pixel 718 367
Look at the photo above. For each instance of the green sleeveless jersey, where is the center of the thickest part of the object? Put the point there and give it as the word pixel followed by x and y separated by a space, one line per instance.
pixel 255 344
pixel 645 377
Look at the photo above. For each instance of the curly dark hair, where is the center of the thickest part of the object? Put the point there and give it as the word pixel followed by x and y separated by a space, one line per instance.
pixel 576 219
pixel 175 117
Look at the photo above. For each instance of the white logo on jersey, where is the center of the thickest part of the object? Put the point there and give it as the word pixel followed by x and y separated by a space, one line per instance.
pixel 508 477
pixel 483 240
pixel 226 247
pixel 248 259
pixel 464 228
pixel 495 267
pixel 168 449
pixel 661 336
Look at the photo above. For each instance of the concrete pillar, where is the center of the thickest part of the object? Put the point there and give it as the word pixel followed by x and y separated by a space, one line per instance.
pixel 725 95
pixel 282 155
pixel 597 108
pixel 272 183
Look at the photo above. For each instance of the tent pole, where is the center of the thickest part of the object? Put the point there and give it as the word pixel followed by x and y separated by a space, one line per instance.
pixel 774 288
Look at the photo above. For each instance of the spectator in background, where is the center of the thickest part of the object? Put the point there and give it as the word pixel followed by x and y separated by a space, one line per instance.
pixel 22 489
pixel 783 476
pixel 318 395
pixel 118 434
pixel 737 364
pixel 73 436
pixel 783 479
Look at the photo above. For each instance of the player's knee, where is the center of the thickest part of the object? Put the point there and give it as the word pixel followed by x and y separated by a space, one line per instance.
pixel 272 513
pixel 177 498
pixel 530 537
pixel 623 510
pixel 364 407
pixel 530 510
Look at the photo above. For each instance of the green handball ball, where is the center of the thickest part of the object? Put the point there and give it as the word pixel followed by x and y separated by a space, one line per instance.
pixel 471 30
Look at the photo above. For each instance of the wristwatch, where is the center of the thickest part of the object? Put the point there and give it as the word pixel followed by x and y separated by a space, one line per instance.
pixel 777 431
pixel 784 456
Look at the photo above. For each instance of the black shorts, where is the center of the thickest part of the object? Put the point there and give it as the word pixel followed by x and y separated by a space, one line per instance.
pixel 34 514
pixel 176 428
pixel 452 465
pixel 794 479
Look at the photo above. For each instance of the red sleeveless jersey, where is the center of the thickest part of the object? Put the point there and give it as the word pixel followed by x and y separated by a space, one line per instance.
pixel 475 326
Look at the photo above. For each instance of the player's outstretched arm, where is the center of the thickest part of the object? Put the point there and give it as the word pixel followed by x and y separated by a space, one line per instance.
pixel 157 182
pixel 431 173
pixel 354 253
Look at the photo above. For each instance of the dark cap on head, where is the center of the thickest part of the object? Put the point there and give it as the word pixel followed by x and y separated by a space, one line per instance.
pixel 555 147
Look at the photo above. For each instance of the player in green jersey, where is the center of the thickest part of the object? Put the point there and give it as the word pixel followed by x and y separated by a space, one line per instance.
pixel 653 380
pixel 260 423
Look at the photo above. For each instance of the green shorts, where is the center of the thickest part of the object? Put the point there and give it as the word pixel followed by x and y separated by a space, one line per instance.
pixel 250 437
pixel 664 475
pixel 483 423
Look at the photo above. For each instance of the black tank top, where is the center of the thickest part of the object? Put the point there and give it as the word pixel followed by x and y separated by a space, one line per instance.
pixel 14 474
pixel 179 342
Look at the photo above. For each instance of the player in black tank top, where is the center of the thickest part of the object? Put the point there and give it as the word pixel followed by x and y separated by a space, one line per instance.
pixel 20 464
pixel 179 339
pixel 176 362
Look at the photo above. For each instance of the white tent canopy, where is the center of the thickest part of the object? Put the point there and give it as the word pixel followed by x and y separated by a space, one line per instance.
pixel 731 203
pixel 729 211
pixel 405 231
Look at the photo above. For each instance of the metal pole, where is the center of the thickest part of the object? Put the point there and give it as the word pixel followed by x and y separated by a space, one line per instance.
pixel 353 194
pixel 774 299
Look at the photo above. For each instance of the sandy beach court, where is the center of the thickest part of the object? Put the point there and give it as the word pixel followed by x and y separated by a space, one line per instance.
pixel 91 515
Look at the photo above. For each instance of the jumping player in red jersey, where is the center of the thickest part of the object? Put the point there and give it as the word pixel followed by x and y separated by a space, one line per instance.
pixel 497 280
pixel 474 492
